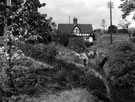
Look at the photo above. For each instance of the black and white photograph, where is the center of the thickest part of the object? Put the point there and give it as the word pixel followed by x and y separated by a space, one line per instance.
pixel 67 50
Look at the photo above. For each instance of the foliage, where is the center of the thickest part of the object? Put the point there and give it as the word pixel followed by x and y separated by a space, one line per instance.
pixel 92 82
pixel 70 95
pixel 40 52
pixel 22 73
pixel 23 23
pixel 64 39
pixel 132 39
pixel 124 24
pixel 26 23
pixel 127 7
pixel 77 44
pixel 70 76
pixel 112 29
pixel 24 78
pixel 103 24
pixel 123 31
pixel 3 78
pixel 32 78
pixel 122 65
pixel 88 44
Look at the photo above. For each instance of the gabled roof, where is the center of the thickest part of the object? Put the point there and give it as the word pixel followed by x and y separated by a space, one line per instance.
pixel 68 28
pixel 65 27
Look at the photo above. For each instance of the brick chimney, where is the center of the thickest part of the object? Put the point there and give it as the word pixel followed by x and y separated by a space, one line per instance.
pixel 75 21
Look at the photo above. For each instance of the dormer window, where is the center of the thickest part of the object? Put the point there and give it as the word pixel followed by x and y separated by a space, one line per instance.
pixel 76 31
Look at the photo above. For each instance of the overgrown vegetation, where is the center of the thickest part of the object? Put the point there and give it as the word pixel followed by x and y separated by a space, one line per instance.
pixel 40 71
pixel 122 65
pixel 40 52
pixel 77 44
pixel 121 68
pixel 32 78
pixel 64 39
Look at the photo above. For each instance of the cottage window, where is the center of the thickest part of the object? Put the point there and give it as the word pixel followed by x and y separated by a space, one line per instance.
pixel 77 31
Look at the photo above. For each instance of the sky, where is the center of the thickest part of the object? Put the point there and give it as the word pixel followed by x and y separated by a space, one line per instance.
pixel 86 11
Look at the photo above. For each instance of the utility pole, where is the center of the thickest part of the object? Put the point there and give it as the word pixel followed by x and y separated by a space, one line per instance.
pixel 110 6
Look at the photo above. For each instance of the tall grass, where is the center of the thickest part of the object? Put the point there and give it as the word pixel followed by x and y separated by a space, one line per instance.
pixel 105 39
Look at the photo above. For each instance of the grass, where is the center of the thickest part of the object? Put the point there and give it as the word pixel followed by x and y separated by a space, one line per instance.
pixel 65 77
pixel 74 95
pixel 103 43
pixel 63 85
pixel 105 39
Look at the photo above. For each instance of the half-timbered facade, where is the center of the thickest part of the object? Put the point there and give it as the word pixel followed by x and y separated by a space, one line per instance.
pixel 81 30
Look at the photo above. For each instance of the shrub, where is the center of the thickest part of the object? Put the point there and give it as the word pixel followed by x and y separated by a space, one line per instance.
pixel 123 31
pixel 122 65
pixel 93 83
pixel 132 40
pixel 88 44
pixel 112 29
pixel 44 53
pixel 30 78
pixel 64 39
pixel 67 74
pixel 77 44
pixel 51 52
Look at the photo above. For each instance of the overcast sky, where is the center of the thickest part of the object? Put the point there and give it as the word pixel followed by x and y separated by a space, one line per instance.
pixel 87 11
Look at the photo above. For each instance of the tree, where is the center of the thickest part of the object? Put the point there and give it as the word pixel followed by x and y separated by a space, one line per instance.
pixel 112 29
pixel 22 23
pixel 124 24
pixel 103 24
pixel 127 7
pixel 26 22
